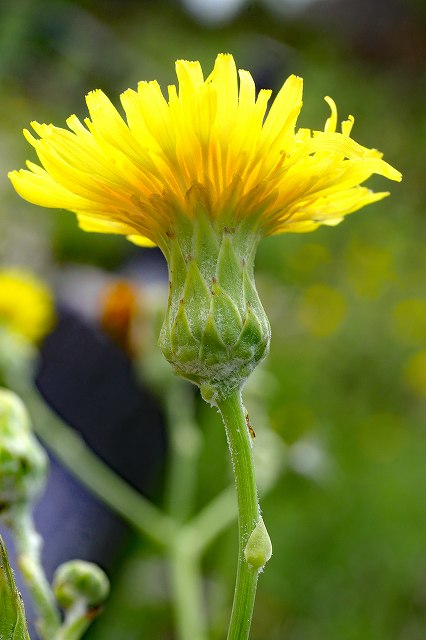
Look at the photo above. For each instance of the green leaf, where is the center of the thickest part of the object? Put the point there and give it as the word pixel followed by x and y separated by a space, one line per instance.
pixel 13 624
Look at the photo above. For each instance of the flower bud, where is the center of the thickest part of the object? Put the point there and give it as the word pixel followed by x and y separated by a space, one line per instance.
pixel 258 549
pixel 78 580
pixel 23 462
pixel 215 331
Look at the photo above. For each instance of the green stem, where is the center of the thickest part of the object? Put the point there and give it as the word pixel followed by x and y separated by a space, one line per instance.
pixel 209 523
pixel 72 451
pixel 189 605
pixel 28 547
pixel 185 441
pixel 240 446
pixel 186 579
pixel 77 621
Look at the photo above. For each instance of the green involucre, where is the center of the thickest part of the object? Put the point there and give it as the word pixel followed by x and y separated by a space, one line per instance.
pixel 216 330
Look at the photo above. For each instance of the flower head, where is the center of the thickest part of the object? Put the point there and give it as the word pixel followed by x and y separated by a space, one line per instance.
pixel 211 145
pixel 26 304
pixel 204 175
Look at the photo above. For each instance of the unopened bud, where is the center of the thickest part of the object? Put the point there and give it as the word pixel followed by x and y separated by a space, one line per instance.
pixel 258 549
pixel 23 462
pixel 78 580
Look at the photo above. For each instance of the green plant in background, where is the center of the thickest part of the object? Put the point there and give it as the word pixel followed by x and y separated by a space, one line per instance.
pixel 23 470
pixel 205 175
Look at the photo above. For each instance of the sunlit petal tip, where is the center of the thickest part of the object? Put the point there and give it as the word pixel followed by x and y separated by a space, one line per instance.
pixel 181 62
pixel 223 66
pixel 140 241
pixel 294 85
pixel 393 174
pixel 190 75
pixel 128 92
pixel 148 88
pixel 75 125
pixel 387 171
pixel 347 125
pixel 183 66
pixel 378 195
pixel 94 93
pixel 332 222
pixel 40 129
pixel 331 122
pixel 18 180
pixel 96 100
pixel 331 103
pixel 35 168
pixel 225 57
pixel 29 137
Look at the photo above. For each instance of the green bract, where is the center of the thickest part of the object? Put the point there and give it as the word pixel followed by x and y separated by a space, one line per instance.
pixel 216 330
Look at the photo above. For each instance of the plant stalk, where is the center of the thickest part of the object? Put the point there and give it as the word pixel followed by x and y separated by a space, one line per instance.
pixel 240 447
pixel 93 473
pixel 189 605
pixel 28 547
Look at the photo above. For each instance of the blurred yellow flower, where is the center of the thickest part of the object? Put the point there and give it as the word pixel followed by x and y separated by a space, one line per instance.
pixel 408 321
pixel 382 436
pixel 321 310
pixel 26 304
pixel 119 308
pixel 210 146
pixel 415 373
pixel 369 268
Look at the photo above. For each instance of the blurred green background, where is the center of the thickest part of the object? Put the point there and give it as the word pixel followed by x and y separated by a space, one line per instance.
pixel 344 387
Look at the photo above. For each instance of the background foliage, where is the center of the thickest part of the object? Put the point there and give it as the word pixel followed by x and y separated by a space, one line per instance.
pixel 344 387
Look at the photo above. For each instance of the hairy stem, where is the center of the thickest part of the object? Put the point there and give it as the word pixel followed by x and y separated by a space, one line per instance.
pixel 240 446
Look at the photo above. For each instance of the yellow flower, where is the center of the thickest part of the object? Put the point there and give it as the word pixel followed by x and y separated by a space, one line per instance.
pixel 26 304
pixel 210 145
